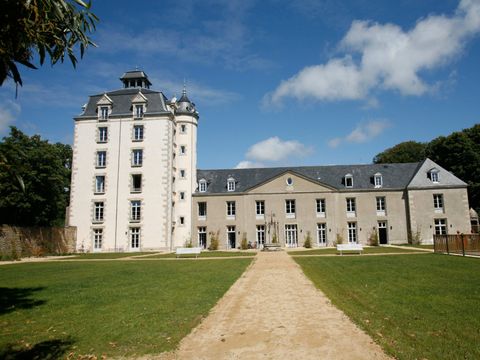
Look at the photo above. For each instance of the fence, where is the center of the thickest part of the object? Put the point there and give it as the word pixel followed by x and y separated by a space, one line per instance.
pixel 462 244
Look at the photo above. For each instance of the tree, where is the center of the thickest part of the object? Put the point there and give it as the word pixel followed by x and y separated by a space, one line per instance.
pixel 41 27
pixel 45 171
pixel 408 151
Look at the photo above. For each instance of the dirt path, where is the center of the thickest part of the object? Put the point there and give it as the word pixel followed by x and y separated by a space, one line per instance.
pixel 274 312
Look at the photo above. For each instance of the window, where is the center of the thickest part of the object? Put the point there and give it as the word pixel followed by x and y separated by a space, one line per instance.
pixel 102 134
pixel 182 174
pixel 182 195
pixel 289 181
pixel 260 236
pixel 137 157
pixel 260 208
pixel 440 227
pixel 134 238
pixel 202 185
pixel 291 239
pixel 99 184
pixel 322 234
pixel 183 129
pixel 381 205
pixel 202 210
pixel 136 182
pixel 231 237
pixel 349 180
pixel 230 209
pixel 351 206
pixel 103 112
pixel 138 133
pixel 97 239
pixel 101 159
pixel 320 207
pixel 183 149
pixel 135 210
pixel 98 211
pixel 378 180
pixel 433 175
pixel 438 202
pixel 138 111
pixel 352 232
pixel 290 208
pixel 230 184
pixel 202 237
pixel 182 220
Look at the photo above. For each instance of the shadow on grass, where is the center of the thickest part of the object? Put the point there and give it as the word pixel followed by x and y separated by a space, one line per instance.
pixel 45 350
pixel 18 298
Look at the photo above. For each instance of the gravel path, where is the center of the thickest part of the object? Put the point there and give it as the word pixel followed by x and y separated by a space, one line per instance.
pixel 274 312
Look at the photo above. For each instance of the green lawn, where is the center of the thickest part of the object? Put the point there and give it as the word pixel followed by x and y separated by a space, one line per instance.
pixel 107 255
pixel 111 308
pixel 419 246
pixel 366 250
pixel 416 307
pixel 206 254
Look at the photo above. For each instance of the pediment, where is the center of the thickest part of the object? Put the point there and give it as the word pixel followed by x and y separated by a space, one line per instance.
pixel 290 182
pixel 139 98
pixel 105 100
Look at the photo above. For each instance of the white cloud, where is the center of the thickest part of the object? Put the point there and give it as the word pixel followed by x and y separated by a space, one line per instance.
pixel 274 151
pixel 362 133
pixel 388 58
pixel 9 112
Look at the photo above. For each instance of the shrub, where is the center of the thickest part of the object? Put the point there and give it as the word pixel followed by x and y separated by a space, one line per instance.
pixel 188 243
pixel 373 238
pixel 274 238
pixel 308 241
pixel 414 238
pixel 244 242
pixel 339 239
pixel 214 240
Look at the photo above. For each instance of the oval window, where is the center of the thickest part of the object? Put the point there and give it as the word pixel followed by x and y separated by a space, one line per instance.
pixel 289 181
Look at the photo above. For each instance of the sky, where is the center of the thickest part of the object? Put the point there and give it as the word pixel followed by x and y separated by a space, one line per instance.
pixel 276 83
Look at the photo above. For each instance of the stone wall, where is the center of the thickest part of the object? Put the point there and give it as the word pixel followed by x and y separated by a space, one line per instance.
pixel 17 242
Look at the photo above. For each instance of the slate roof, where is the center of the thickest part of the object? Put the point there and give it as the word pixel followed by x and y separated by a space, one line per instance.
pixel 395 176
pixel 122 102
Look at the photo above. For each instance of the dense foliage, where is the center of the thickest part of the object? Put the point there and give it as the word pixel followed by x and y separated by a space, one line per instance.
pixel 34 180
pixel 41 27
pixel 458 152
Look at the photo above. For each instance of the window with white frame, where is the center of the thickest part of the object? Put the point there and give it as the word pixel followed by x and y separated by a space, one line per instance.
pixel 99 184
pixel 230 184
pixel 202 210
pixel 433 175
pixel 351 206
pixel 101 159
pixel 290 208
pixel 260 236
pixel 97 239
pixel 202 237
pixel 322 234
pixel 138 132
pixel 98 211
pixel 378 180
pixel 183 129
pixel 348 180
pixel 320 207
pixel 438 202
pixel 231 209
pixel 260 208
pixel 104 112
pixel 102 134
pixel 136 183
pixel 134 238
pixel 352 232
pixel 440 227
pixel 135 210
pixel 381 205
pixel 183 149
pixel 137 157
pixel 138 111
pixel 202 185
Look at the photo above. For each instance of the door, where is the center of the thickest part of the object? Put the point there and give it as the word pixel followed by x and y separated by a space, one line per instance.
pixel 382 233
pixel 291 236
pixel 231 237
pixel 321 234
pixel 134 239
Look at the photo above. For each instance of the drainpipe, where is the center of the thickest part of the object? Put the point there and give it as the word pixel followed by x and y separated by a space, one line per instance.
pixel 118 178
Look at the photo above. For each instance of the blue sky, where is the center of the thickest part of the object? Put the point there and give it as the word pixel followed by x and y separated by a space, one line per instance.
pixel 297 82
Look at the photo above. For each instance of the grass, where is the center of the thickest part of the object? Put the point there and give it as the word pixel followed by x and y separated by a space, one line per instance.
pixel 206 254
pixel 106 308
pixel 366 250
pixel 430 246
pixel 415 307
pixel 106 255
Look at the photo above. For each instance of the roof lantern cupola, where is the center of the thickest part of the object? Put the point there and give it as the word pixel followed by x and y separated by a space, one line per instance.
pixel 185 106
pixel 135 79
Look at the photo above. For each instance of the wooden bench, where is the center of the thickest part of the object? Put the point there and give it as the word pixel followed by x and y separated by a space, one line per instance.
pixel 188 251
pixel 350 247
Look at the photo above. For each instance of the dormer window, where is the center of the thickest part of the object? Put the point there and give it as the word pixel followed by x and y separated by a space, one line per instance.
pixel 138 111
pixel 349 180
pixel 202 185
pixel 378 180
pixel 433 175
pixel 103 113
pixel 230 184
